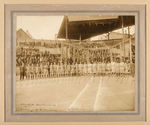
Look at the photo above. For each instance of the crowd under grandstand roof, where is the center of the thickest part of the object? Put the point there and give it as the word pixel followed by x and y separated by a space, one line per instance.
pixel 84 27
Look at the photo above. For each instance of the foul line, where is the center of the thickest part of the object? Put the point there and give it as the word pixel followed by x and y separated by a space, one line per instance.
pixel 82 91
pixel 98 94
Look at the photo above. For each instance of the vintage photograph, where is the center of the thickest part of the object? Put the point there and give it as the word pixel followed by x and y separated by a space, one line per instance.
pixel 75 63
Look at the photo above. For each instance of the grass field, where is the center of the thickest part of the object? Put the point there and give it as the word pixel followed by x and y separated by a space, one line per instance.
pixel 85 93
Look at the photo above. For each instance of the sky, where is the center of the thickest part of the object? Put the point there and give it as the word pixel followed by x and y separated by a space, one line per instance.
pixel 40 27
pixel 46 27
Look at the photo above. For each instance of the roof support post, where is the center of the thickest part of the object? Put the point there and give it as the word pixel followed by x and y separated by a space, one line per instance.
pixel 123 36
pixel 73 55
pixel 108 35
pixel 61 52
pixel 80 38
pixel 128 32
pixel 87 55
pixel 66 24
pixel 130 44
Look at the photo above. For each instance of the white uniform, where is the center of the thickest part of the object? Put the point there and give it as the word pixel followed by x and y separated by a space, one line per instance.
pixel 51 69
pixel 45 71
pixel 68 69
pixel 94 68
pixel 28 72
pixel 108 67
pixel 79 68
pixel 61 69
pixel 117 67
pixel 65 69
pixel 113 67
pixel 72 69
pixel 122 67
pixel 100 67
pixel 84 68
pixel 126 68
pixel 57 69
pixel 37 69
pixel 89 68
pixel 103 67
pixel 76 68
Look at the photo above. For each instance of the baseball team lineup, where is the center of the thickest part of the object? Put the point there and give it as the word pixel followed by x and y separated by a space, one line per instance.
pixel 58 70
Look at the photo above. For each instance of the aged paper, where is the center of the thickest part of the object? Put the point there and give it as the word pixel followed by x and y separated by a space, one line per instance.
pixel 57 72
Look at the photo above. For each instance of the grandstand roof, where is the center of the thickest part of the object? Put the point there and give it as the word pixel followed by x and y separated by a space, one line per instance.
pixel 84 27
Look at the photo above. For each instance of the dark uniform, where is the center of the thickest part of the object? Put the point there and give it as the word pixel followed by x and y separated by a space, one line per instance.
pixel 132 67
pixel 48 68
pixel 21 72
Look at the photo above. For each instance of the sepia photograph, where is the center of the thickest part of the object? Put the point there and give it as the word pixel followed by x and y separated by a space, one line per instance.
pixel 75 63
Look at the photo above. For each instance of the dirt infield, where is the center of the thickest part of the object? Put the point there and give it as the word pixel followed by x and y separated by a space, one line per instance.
pixel 82 94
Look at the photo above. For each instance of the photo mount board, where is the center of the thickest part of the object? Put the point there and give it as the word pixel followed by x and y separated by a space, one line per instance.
pixel 11 11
